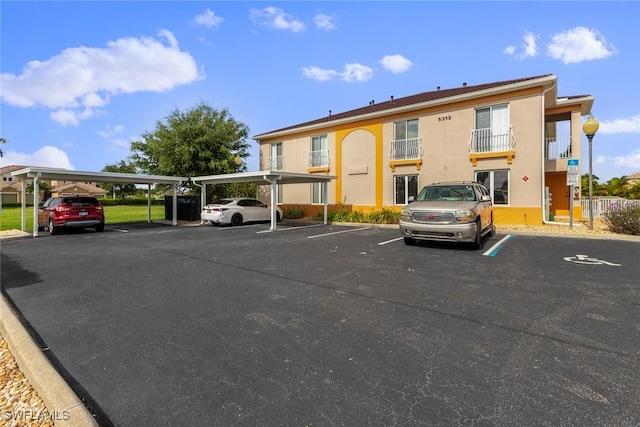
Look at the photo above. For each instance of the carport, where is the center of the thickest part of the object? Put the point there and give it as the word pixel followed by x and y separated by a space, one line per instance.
pixel 36 174
pixel 272 178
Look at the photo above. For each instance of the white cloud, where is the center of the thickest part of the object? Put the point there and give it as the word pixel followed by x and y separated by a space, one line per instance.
pixel 207 19
pixel 274 17
pixel 630 160
pixel 396 63
pixel 324 22
pixel 79 79
pixel 113 135
pixel 319 74
pixel 528 49
pixel 357 72
pixel 627 125
pixel 46 157
pixel 579 44
pixel 351 73
pixel 509 50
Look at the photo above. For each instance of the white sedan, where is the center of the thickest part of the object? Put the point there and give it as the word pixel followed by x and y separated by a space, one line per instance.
pixel 237 211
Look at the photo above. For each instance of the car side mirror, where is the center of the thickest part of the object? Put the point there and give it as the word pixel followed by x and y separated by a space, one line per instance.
pixel 485 198
pixel 411 199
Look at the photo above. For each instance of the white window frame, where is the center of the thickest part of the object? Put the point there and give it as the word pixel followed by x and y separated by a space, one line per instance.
pixel 275 152
pixel 317 196
pixel 492 185
pixel 319 154
pixel 406 188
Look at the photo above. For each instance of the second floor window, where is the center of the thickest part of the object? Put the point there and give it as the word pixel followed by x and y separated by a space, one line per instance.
pixel 492 129
pixel 406 142
pixel 276 160
pixel 319 156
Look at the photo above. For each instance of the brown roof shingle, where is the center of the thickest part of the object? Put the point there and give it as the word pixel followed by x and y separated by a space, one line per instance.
pixel 408 100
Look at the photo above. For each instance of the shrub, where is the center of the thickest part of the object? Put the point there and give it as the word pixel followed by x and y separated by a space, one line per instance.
pixel 293 212
pixel 384 216
pixel 623 218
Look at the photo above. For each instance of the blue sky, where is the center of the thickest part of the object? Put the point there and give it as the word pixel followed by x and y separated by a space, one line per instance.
pixel 81 80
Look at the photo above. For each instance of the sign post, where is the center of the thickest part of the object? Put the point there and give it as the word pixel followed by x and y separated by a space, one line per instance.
pixel 573 178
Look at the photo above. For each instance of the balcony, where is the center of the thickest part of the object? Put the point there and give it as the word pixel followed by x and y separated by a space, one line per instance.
pixel 489 143
pixel 557 148
pixel 275 163
pixel 318 161
pixel 405 152
pixel 556 152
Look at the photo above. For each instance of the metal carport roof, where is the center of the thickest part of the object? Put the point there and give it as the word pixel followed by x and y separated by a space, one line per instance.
pixel 37 173
pixel 272 178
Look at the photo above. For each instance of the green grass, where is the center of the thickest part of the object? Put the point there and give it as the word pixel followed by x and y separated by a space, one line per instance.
pixel 10 218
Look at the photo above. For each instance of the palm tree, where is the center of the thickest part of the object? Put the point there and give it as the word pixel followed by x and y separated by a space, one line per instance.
pixel 44 188
pixel 618 187
pixel 597 190
pixel 2 141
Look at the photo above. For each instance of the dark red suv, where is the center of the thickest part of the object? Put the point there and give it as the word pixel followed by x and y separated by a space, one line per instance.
pixel 71 211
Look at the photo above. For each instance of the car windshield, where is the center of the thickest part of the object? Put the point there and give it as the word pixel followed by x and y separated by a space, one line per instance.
pixel 456 193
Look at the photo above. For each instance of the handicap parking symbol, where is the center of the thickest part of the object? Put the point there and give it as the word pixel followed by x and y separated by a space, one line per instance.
pixel 585 259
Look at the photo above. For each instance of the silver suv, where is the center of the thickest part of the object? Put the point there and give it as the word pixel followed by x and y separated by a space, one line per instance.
pixel 449 211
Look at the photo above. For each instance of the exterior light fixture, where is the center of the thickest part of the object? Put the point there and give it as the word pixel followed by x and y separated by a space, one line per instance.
pixel 590 127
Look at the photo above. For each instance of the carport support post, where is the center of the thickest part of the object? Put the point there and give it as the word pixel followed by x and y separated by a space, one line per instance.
pixel 325 200
pixel 175 204
pixel 36 202
pixel 148 203
pixel 23 199
pixel 274 201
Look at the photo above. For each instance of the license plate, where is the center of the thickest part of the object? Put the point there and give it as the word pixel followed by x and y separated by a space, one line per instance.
pixel 208 210
pixel 84 213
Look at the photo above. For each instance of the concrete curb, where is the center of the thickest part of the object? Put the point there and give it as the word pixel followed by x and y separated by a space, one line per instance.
pixel 65 408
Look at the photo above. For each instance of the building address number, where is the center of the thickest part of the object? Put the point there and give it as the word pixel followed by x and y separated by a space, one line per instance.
pixel 443 118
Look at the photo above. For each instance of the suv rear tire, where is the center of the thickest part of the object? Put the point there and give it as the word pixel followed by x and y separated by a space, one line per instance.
pixel 477 244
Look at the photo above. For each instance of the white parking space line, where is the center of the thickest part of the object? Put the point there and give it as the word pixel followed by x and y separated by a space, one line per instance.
pixel 338 232
pixel 493 250
pixel 121 230
pixel 390 241
pixel 292 228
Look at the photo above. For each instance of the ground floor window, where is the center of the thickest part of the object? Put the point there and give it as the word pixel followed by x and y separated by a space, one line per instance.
pixel 404 186
pixel 497 182
pixel 317 195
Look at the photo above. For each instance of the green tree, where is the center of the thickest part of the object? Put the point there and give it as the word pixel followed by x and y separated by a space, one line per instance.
pixel 618 187
pixel 120 190
pixel 196 142
pixel 2 141
pixel 634 191
pixel 44 190
pixel 598 189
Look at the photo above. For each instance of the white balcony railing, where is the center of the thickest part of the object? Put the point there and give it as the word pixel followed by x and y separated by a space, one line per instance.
pixel 318 159
pixel 405 149
pixel 275 163
pixel 488 140
pixel 557 148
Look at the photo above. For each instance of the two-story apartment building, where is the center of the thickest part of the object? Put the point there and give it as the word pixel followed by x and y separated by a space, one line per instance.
pixel 513 136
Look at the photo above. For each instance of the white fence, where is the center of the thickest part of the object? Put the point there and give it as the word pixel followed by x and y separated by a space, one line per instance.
pixel 602 204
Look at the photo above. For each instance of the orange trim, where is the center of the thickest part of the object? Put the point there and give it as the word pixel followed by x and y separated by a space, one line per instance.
pixel 394 163
pixel 508 154
pixel 324 169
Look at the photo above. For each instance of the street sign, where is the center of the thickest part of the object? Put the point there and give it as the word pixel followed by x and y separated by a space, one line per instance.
pixel 573 172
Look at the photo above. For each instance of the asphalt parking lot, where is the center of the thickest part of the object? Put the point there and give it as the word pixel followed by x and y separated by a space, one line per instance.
pixel 334 325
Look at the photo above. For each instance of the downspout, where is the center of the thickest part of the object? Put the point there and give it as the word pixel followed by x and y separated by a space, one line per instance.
pixel 544 216
pixel 36 202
